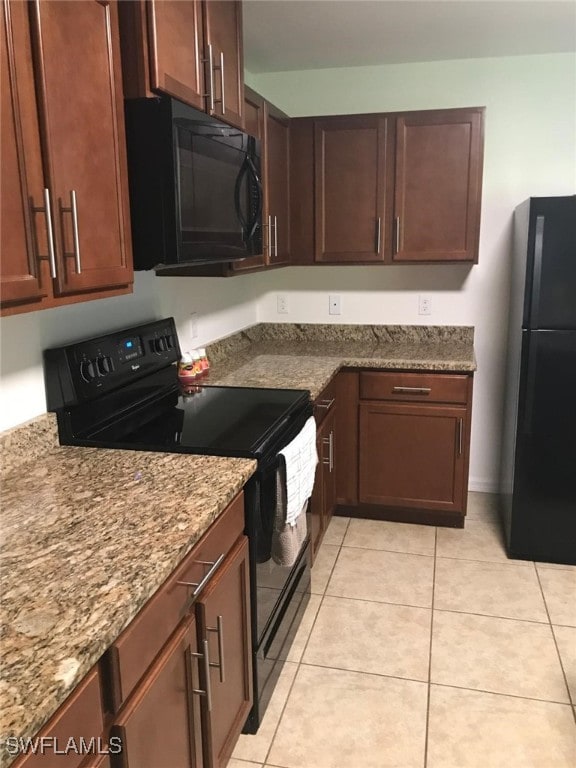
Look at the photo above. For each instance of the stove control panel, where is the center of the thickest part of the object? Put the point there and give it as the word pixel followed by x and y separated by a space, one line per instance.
pixel 85 370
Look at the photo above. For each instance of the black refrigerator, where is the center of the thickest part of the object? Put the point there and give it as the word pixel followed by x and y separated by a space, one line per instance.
pixel 538 482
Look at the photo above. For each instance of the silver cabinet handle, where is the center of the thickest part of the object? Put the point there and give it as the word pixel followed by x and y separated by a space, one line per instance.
pixel 270 254
pixel 378 234
pixel 276 236
pixel 397 228
pixel 74 209
pixel 199 586
pixel 325 404
pixel 326 461
pixel 206 659
pixel 412 390
pixel 223 99
pixel 210 62
pixel 331 451
pixel 219 629
pixel 460 435
pixel 47 211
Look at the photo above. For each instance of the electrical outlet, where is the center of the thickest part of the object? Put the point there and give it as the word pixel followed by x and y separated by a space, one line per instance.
pixel 282 304
pixel 334 304
pixel 193 325
pixel 424 305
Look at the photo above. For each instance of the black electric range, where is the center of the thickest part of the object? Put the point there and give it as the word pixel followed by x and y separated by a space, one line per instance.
pixel 121 391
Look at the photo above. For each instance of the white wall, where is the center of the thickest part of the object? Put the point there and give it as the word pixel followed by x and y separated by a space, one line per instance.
pixel 530 150
pixel 221 307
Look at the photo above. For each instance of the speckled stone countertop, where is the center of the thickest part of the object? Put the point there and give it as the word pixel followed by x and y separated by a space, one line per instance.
pixel 88 536
pixel 308 356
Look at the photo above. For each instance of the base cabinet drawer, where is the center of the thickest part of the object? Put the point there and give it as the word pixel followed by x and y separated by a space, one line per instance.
pixel 414 387
pixel 412 456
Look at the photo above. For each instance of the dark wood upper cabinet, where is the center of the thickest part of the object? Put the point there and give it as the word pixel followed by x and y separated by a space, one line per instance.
pixel 277 196
pixel 189 49
pixel 388 188
pixel 78 53
pixel 438 186
pixel 223 41
pixel 22 183
pixel 351 188
pixel 69 233
pixel 176 48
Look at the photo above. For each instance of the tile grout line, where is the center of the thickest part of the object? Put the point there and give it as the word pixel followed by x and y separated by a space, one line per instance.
pixel 299 663
pixel 429 691
pixel 507 695
pixel 570 699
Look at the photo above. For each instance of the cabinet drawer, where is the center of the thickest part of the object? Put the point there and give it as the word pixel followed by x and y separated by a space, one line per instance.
pixel 414 387
pixel 130 656
pixel 79 717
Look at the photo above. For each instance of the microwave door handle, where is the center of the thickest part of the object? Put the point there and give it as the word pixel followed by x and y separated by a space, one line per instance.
pixel 241 173
pixel 258 186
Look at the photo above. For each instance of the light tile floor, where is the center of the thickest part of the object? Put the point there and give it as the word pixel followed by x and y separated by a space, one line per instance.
pixel 426 648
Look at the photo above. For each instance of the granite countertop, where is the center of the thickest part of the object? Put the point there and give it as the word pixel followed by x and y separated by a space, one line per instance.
pixel 88 536
pixel 308 356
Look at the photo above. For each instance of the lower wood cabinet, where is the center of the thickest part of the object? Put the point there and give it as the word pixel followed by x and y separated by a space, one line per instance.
pixel 323 499
pixel 223 618
pixel 403 445
pixel 412 456
pixel 160 725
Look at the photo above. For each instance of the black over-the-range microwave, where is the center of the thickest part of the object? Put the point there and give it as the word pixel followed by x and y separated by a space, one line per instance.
pixel 195 187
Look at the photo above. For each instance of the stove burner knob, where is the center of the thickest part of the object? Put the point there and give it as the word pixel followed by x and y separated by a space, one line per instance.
pixel 104 365
pixel 88 370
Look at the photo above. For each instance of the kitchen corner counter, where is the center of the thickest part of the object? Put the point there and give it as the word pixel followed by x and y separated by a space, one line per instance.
pixel 308 357
pixel 88 536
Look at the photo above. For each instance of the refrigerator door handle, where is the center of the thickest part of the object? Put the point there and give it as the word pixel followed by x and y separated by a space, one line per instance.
pixel 537 273
pixel 530 390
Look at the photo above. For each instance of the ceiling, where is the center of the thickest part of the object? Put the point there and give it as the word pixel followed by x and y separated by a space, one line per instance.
pixel 283 35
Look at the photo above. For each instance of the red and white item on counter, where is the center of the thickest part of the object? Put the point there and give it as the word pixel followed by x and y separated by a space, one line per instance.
pixel 193 366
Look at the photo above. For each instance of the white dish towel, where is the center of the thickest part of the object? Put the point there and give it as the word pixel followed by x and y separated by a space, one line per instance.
pixel 301 458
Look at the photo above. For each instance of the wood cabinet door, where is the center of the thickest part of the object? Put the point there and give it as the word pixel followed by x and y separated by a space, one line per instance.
pixel 412 455
pixel 350 189
pixel 225 67
pixel 346 446
pixel 316 516
pixel 277 189
pixel 223 614
pixel 82 126
pixel 177 49
pixel 159 726
pixel 22 184
pixel 329 466
pixel 438 186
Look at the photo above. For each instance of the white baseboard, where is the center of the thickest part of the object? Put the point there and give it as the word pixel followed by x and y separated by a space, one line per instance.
pixel 483 485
